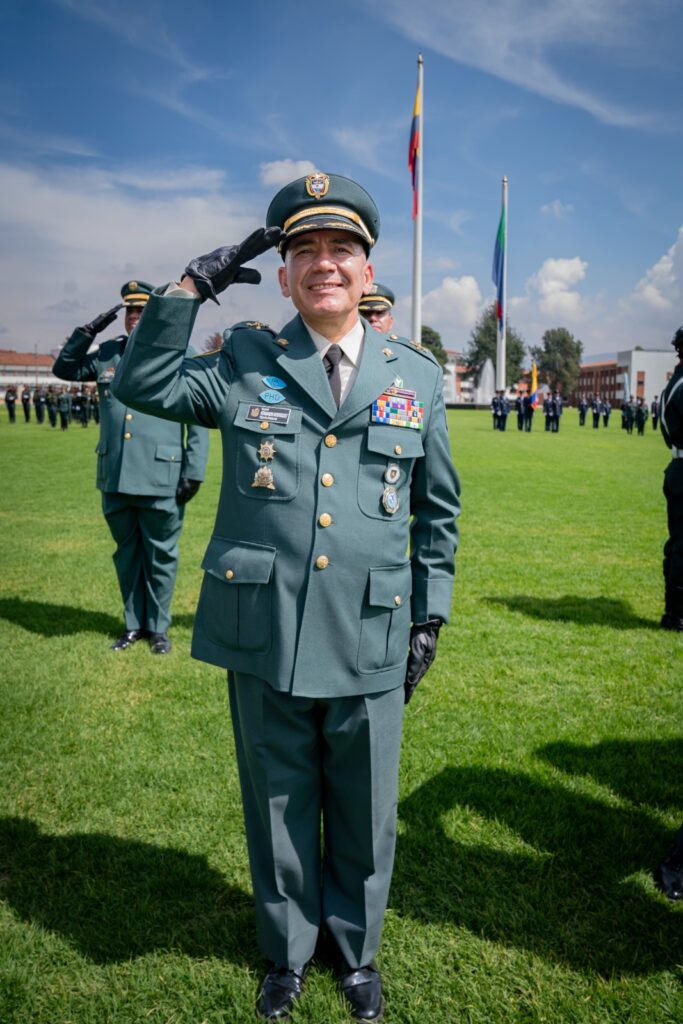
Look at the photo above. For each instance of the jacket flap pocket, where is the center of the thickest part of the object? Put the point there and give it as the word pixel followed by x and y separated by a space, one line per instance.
pixel 251 416
pixel 390 586
pixel 101 448
pixel 238 561
pixel 395 442
pixel 169 453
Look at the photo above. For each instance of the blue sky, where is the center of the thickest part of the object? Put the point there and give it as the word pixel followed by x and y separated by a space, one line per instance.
pixel 137 135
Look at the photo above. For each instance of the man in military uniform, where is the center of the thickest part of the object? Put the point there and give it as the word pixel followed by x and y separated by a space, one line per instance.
pixel 51 405
pixel 495 409
pixel 641 416
pixel 671 423
pixel 504 410
pixel 519 409
pixel 11 402
pixel 147 472
pixel 26 402
pixel 334 436
pixel 548 411
pixel 583 407
pixel 654 409
pixel 376 307
pixel 556 412
pixel 528 413
pixel 606 412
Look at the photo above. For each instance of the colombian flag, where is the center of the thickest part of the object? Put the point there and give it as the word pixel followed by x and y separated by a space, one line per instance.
pixel 534 385
pixel 498 271
pixel 414 147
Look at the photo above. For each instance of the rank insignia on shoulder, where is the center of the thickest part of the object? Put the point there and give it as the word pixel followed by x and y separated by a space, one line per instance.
pixel 256 325
pixel 387 352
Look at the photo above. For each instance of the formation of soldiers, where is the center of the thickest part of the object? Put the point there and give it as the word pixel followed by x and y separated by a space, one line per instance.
pixel 68 405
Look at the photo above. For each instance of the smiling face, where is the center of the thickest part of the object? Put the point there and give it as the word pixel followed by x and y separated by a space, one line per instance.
pixel 325 274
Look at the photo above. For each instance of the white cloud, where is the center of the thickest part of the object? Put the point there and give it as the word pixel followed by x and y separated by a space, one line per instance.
pixel 451 309
pixel 662 286
pixel 554 282
pixel 278 173
pixel 456 220
pixel 90 229
pixel 516 40
pixel 557 209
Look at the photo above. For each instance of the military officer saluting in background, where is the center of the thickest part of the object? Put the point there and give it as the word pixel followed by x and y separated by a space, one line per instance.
pixel 333 437
pixel 146 470
pixel 376 307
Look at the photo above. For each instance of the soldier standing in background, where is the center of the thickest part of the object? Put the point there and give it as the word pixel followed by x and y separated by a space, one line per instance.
pixel 583 407
pixel 528 413
pixel 606 412
pixel 40 401
pixel 64 407
pixel 147 471
pixel 51 405
pixel 376 307
pixel 495 409
pixel 641 416
pixel 26 402
pixel 654 409
pixel 596 406
pixel 519 409
pixel 11 402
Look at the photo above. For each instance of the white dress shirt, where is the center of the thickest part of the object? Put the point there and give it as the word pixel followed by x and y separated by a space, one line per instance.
pixel 352 347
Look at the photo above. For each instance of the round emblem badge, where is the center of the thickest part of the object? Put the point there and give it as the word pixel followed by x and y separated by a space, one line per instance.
pixel 390 500
pixel 392 474
pixel 317 185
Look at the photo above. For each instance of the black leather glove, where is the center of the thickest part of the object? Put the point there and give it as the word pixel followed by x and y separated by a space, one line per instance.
pixel 186 490
pixel 218 269
pixel 102 321
pixel 423 638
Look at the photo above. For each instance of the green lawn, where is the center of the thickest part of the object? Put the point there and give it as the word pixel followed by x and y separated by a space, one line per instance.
pixel 541 772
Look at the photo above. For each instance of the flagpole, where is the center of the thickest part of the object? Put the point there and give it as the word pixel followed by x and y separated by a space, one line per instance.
pixel 502 333
pixel 416 329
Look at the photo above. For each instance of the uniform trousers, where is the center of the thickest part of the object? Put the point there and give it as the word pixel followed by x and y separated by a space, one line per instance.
pixel 673 548
pixel 301 760
pixel 146 530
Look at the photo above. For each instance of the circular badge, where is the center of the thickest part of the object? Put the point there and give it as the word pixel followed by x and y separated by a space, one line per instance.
pixel 390 500
pixel 392 474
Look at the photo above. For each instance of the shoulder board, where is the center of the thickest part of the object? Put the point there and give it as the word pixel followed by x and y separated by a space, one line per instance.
pixel 253 325
pixel 415 346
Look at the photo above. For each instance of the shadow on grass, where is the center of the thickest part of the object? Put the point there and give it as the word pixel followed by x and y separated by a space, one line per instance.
pixel 641 771
pixel 66 620
pixel 586 611
pixel 557 880
pixel 117 898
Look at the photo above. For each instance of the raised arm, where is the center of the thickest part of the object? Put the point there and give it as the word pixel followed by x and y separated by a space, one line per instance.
pixel 74 362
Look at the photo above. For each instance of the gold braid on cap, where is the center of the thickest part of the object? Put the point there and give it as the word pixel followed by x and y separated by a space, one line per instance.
pixel 337 211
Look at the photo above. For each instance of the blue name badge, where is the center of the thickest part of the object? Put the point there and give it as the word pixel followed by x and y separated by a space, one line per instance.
pixel 274 382
pixel 271 397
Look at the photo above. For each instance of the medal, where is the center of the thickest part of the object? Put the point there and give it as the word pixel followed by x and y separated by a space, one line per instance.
pixel 267 451
pixel 392 474
pixel 390 500
pixel 263 477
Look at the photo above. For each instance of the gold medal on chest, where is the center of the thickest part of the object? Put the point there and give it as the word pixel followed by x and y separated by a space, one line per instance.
pixel 263 477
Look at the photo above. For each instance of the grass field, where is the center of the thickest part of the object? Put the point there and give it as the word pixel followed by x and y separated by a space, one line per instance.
pixel 540 780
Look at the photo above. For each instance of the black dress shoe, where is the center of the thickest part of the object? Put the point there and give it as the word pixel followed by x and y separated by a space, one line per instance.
pixel 159 643
pixel 669 874
pixel 127 639
pixel 281 988
pixel 362 989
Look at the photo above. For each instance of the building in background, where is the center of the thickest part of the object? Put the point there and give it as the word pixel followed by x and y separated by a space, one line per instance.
pixel 32 368
pixel 647 370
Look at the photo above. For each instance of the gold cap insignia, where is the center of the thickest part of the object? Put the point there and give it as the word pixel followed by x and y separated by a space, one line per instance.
pixel 132 285
pixel 317 185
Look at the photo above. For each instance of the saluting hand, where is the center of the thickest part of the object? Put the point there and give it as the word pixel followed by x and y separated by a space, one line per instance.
pixel 216 270
pixel 423 639
pixel 102 321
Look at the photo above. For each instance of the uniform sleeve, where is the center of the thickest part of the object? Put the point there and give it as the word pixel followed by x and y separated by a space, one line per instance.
pixel 435 506
pixel 74 362
pixel 154 376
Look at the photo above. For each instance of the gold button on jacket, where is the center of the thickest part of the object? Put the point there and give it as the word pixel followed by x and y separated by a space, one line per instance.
pixel 322 562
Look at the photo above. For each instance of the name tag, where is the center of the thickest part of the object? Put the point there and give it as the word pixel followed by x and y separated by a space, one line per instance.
pixel 269 414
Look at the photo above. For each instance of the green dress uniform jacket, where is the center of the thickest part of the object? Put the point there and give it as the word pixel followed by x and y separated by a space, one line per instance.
pixel 308 595
pixel 137 454
pixel 140 460
pixel 308 582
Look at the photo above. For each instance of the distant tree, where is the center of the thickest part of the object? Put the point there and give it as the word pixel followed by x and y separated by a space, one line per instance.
pixel 213 342
pixel 431 339
pixel 482 346
pixel 558 359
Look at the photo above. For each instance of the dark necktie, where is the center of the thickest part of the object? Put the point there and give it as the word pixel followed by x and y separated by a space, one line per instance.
pixel 331 361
